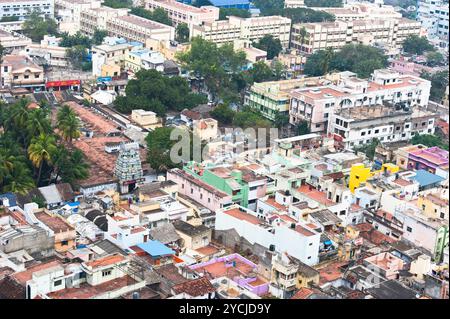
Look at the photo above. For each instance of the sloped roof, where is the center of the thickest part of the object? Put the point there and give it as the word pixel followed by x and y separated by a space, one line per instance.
pixel 165 234
pixel 11 289
pixel 195 288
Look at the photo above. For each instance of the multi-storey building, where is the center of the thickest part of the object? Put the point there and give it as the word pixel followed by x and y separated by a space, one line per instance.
pixel 136 60
pixel 97 18
pixel 366 10
pixel 234 28
pixel 134 28
pixel 111 53
pixel 272 98
pixel 360 125
pixel 68 13
pixel 19 71
pixel 23 8
pixel 13 40
pixel 183 13
pixel 433 15
pixel 49 51
pixel 323 35
pixel 276 234
pixel 315 104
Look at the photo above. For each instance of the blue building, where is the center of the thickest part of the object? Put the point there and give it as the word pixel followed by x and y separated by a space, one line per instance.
pixel 238 4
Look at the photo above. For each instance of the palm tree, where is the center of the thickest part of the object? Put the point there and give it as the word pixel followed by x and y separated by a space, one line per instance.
pixel 302 33
pixel 38 123
pixel 20 180
pixel 68 123
pixel 327 60
pixel 40 150
pixel 2 52
pixel 6 164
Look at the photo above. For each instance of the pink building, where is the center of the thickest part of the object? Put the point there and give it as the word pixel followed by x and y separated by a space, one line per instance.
pixel 199 191
pixel 315 105
pixel 408 67
pixel 384 264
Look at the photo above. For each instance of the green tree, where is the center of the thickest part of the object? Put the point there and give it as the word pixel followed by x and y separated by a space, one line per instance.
pixel 307 15
pixel 98 36
pixel 414 44
pixel 201 3
pixel 260 72
pixel 216 65
pixel 224 114
pixel 226 12
pixel 160 15
pixel 269 7
pixel 117 4
pixel 152 91
pixel 68 124
pixel 434 58
pixel 281 119
pixel 269 44
pixel 369 149
pixel 358 58
pixel 324 3
pixel 69 165
pixel 77 56
pixel 38 122
pixel 77 39
pixel 302 128
pixel 182 33
pixel 36 26
pixel 40 151
pixel 439 82
pixel 159 145
pixel 2 53
pixel 429 140
pixel 250 118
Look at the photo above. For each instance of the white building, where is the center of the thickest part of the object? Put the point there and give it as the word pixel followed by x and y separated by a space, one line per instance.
pixel 316 104
pixel 49 50
pixel 226 31
pixel 12 40
pixel 183 13
pixel 322 35
pixel 23 8
pixel 387 123
pixel 68 13
pixel 433 15
pixel 296 239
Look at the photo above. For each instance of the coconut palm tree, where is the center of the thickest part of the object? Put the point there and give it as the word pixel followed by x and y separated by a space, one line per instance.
pixel 38 123
pixel 40 150
pixel 68 123
pixel 20 180
pixel 6 164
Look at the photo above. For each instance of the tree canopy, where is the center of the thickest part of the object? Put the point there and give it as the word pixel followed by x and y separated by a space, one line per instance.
pixel 158 15
pixel 226 12
pixel 307 15
pixel 117 4
pixel 182 32
pixel 154 92
pixel 31 153
pixel 358 58
pixel 212 63
pixel 324 3
pixel 414 44
pixel 429 140
pixel 269 44
pixel 36 26
pixel 439 82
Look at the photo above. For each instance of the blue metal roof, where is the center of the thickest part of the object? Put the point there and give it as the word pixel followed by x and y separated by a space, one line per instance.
pixel 11 198
pixel 425 178
pixel 155 248
pixel 228 2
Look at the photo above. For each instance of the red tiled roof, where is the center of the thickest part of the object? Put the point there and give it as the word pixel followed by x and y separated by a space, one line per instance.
pixel 303 293
pixel 195 288
pixel 237 213
pixel 105 261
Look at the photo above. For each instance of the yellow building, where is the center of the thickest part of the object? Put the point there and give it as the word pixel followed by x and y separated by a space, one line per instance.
pixel 360 174
pixel 434 205
pixel 146 119
pixel 110 70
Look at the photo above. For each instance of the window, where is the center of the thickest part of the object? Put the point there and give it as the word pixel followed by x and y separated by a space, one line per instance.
pixel 409 229
pixel 106 273
pixel 442 215
pixel 64 243
pixel 57 283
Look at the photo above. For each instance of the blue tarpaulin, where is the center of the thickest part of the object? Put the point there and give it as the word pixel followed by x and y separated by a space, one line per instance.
pixel 155 248
pixel 425 178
